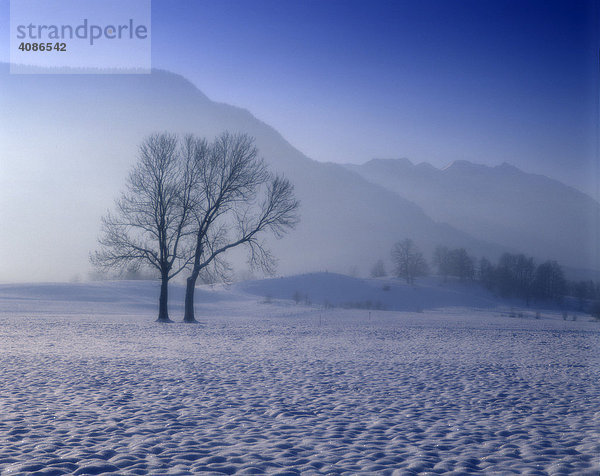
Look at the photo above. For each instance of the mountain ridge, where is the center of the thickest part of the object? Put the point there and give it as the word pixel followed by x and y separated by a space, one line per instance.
pixel 69 141
pixel 523 210
pixel 424 165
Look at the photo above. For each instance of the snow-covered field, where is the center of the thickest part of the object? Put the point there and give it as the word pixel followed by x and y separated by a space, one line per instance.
pixel 90 384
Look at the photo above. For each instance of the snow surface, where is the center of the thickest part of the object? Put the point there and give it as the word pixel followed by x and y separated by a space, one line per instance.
pixel 91 384
pixel 330 289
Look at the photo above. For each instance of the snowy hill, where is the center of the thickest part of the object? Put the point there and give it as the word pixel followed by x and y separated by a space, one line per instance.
pixel 329 289
pixel 102 297
pixel 532 213
pixel 320 291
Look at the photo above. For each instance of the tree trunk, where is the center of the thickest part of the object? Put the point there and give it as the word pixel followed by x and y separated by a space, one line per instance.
pixel 163 311
pixel 190 287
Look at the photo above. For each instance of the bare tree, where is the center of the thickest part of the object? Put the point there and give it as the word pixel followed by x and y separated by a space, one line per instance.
pixel 378 269
pixel 486 273
pixel 236 200
pixel 549 282
pixel 463 265
pixel 515 275
pixel 454 262
pixel 409 261
pixel 441 259
pixel 153 216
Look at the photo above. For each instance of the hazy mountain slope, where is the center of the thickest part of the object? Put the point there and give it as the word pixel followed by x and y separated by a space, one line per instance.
pixel 67 142
pixel 533 213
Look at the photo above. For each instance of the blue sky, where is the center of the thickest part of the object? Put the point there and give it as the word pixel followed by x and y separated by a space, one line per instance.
pixel 436 81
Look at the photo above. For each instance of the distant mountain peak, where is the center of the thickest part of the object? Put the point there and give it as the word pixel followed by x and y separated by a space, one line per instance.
pixel 505 166
pixel 402 161
pixel 460 165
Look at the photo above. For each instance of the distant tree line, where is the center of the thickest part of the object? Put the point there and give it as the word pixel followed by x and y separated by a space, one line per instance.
pixel 513 276
pixel 454 262
pixel 584 291
pixel 517 275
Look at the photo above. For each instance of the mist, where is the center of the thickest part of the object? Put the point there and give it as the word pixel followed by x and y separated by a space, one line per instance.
pixel 69 142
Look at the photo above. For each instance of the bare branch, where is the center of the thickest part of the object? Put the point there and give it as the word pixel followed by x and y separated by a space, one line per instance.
pixel 153 219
